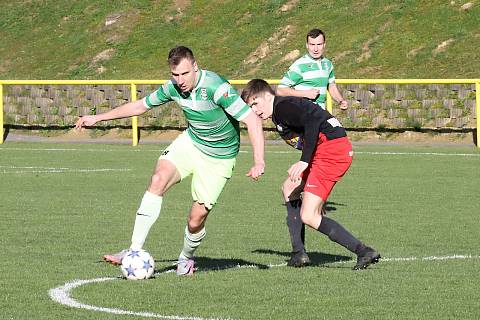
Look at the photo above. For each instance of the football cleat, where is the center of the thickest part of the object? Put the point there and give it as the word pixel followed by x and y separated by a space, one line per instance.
pixel 115 258
pixel 299 260
pixel 367 257
pixel 185 267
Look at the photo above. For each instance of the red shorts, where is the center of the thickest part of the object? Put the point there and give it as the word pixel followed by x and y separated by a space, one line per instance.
pixel 331 160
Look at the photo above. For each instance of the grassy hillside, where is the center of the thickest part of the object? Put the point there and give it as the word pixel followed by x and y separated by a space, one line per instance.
pixel 46 39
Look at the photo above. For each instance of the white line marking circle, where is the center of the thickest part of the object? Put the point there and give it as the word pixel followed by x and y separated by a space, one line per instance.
pixel 62 296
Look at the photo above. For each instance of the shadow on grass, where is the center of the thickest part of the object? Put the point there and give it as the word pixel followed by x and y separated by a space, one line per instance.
pixel 316 258
pixel 212 264
pixel 332 206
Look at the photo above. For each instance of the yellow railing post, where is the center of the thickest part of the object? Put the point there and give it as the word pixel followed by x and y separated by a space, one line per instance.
pixel 477 108
pixel 133 94
pixel 329 103
pixel 1 113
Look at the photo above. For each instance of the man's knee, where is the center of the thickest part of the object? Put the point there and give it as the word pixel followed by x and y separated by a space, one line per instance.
pixel 307 218
pixel 311 218
pixel 197 217
pixel 159 182
pixel 291 190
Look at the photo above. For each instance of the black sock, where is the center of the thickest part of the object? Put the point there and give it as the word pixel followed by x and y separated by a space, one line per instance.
pixel 340 235
pixel 296 228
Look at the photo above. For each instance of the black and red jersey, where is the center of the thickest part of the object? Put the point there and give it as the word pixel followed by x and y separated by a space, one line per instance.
pixel 294 116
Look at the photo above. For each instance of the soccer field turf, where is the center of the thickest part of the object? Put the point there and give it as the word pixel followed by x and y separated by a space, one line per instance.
pixel 63 206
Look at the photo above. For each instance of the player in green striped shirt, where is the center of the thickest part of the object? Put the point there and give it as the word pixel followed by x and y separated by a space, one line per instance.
pixel 206 149
pixel 312 75
pixel 309 77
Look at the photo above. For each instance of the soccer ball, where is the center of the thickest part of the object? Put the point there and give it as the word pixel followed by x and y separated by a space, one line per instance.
pixel 295 140
pixel 137 265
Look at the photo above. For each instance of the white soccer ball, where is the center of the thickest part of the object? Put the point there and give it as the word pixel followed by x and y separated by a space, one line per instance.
pixel 137 265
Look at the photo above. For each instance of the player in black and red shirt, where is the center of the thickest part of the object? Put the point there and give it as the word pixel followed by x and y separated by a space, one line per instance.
pixel 326 156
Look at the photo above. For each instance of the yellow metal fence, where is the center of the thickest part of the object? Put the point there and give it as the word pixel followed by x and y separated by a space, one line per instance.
pixel 133 88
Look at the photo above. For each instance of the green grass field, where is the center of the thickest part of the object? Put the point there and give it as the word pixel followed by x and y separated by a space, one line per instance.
pixel 63 206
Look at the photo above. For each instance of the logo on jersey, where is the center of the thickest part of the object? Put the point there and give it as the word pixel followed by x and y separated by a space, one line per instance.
pixel 203 93
pixel 334 122
pixel 230 93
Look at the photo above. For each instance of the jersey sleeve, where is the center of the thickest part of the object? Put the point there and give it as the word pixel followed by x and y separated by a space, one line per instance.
pixel 291 78
pixel 158 97
pixel 228 98
pixel 331 75
pixel 310 137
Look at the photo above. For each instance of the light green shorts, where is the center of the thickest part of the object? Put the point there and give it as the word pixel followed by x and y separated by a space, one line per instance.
pixel 209 175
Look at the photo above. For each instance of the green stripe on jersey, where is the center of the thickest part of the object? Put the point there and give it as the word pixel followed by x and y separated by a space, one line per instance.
pixel 212 110
pixel 307 73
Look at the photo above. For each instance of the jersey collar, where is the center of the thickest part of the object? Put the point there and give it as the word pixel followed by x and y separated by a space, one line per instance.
pixel 316 60
pixel 200 80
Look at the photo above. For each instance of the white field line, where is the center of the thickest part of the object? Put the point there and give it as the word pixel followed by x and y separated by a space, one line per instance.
pixel 387 153
pixel 405 259
pixel 17 169
pixel 418 154
pixel 62 294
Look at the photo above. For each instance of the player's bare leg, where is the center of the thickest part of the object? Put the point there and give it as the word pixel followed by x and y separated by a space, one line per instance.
pixel 292 194
pixel 165 175
pixel 194 234
pixel 311 213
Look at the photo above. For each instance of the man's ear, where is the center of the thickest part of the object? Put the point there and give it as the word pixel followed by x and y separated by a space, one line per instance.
pixel 195 66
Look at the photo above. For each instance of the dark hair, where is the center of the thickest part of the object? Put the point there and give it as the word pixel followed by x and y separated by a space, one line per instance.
pixel 179 53
pixel 254 87
pixel 315 33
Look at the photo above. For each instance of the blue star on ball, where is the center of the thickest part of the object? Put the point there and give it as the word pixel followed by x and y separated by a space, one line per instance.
pixel 146 265
pixel 130 271
pixel 134 253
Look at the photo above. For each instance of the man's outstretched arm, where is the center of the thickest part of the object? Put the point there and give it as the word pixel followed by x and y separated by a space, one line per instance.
pixel 129 109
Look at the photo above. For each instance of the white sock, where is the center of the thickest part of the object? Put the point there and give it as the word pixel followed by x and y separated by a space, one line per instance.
pixel 146 216
pixel 190 243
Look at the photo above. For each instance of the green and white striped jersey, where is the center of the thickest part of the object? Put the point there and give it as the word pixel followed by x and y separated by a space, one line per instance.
pixel 307 73
pixel 212 110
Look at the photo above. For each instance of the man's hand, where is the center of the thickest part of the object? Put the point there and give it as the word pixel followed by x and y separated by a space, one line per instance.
pixel 85 121
pixel 295 171
pixel 256 171
pixel 311 94
pixel 343 104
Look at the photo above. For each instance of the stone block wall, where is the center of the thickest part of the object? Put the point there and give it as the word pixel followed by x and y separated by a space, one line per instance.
pixel 371 106
pixel 409 106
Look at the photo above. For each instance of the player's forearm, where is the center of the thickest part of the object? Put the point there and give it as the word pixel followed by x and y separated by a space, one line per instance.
pixel 130 109
pixel 258 145
pixel 335 93
pixel 290 92
pixel 255 134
